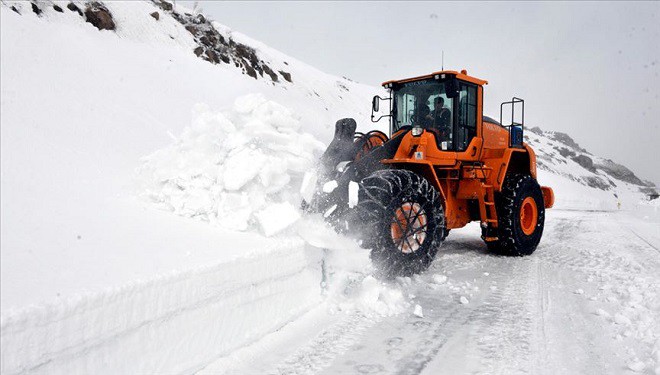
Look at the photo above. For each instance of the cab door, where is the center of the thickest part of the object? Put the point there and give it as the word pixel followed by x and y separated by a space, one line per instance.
pixel 469 112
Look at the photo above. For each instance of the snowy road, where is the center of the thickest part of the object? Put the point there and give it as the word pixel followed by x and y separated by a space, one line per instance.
pixel 586 302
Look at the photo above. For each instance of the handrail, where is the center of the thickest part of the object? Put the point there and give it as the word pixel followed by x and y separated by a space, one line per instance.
pixel 513 103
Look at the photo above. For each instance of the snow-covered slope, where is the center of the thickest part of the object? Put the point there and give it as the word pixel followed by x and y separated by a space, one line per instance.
pixel 98 150
pixel 81 107
pixel 582 180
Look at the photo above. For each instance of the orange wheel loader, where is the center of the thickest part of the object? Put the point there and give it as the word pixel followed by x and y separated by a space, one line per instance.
pixel 443 165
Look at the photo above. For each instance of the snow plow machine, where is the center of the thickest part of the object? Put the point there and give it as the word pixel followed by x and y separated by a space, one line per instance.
pixel 443 165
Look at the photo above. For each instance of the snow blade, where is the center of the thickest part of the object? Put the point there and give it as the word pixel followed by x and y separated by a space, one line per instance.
pixel 339 166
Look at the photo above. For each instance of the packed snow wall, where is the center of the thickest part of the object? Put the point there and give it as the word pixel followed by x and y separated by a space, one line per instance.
pixel 171 324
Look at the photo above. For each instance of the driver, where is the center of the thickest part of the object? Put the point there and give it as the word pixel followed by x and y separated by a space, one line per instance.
pixel 440 115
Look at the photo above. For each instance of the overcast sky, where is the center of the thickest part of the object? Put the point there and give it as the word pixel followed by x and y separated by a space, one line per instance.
pixel 590 69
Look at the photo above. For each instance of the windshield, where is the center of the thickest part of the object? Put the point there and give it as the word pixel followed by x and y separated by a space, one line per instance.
pixel 424 104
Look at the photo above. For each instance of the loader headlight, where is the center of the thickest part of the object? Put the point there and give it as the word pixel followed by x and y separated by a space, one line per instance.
pixel 417 131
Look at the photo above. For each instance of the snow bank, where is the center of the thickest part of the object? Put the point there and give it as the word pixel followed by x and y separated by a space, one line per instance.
pixel 173 324
pixel 240 169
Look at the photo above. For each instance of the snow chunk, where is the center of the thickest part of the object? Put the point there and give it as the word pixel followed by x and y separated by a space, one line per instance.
pixel 578 291
pixel 330 186
pixel 418 312
pixel 277 217
pixel 353 190
pixel 622 319
pixel 464 301
pixel 377 298
pixel 241 168
pixel 308 185
pixel 330 210
pixel 439 279
pixel 601 312
pixel 637 365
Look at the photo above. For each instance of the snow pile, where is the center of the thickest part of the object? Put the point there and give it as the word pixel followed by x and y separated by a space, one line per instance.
pixel 348 281
pixel 362 293
pixel 240 169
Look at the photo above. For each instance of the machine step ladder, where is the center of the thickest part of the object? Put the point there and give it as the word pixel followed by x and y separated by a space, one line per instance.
pixel 487 209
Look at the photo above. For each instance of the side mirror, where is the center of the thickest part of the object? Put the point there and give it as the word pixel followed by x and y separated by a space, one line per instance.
pixel 451 87
pixel 375 105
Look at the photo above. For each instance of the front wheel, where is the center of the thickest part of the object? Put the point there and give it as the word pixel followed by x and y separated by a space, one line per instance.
pixel 521 216
pixel 401 219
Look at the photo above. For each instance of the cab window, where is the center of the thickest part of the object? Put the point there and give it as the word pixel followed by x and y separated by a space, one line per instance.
pixel 467 115
pixel 425 104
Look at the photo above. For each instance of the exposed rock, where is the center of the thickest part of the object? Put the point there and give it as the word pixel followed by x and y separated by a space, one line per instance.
pixel 567 140
pixel 36 9
pixel 652 193
pixel 15 10
pixel 155 15
pixel 192 29
pixel 58 8
pixel 596 182
pixel 99 16
pixel 165 5
pixel 622 173
pixel 212 56
pixel 250 71
pixel 74 8
pixel 215 47
pixel 285 75
pixel 342 86
pixel 271 73
pixel 585 162
pixel 563 151
pixel 199 19
pixel 245 52
pixel 536 130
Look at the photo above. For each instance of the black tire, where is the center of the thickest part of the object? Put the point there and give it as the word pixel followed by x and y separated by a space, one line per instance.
pixel 517 234
pixel 395 208
pixel 446 234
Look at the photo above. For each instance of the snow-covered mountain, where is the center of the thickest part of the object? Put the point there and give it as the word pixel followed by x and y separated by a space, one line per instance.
pixel 98 149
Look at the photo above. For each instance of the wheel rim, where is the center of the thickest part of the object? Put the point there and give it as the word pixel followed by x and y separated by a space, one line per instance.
pixel 408 227
pixel 528 215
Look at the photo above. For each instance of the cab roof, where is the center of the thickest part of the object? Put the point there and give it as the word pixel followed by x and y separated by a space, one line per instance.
pixel 462 75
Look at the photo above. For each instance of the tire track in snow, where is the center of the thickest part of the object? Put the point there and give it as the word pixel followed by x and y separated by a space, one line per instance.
pixel 645 241
pixel 325 347
pixel 434 337
pixel 543 305
pixel 506 322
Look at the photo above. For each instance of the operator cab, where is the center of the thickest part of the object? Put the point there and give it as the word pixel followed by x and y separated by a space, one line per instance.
pixel 440 103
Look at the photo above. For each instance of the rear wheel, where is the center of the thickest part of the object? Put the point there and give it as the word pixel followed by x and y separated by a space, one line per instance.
pixel 401 219
pixel 521 216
